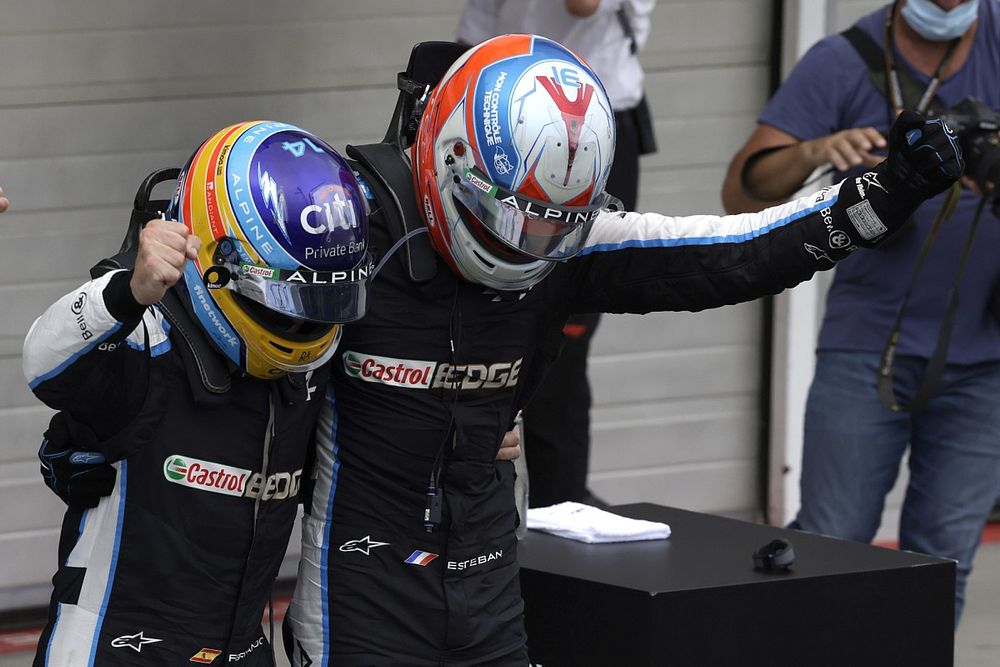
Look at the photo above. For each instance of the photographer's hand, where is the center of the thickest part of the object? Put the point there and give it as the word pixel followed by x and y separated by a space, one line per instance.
pixel 774 164
pixel 846 149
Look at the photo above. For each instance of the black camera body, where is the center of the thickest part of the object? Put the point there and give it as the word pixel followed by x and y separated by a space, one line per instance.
pixel 978 130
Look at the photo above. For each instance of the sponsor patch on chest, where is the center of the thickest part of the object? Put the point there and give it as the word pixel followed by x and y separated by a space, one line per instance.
pixel 417 374
pixel 230 480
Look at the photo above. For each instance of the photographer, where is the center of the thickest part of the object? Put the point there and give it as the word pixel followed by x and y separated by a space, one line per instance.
pixel 834 109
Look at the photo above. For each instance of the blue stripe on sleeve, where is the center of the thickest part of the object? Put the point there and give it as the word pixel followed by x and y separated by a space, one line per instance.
pixel 69 362
pixel 707 240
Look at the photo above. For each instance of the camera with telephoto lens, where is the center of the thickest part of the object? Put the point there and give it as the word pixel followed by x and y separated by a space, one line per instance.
pixel 978 130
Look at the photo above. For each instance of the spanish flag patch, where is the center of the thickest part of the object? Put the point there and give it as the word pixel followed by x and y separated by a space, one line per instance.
pixel 206 656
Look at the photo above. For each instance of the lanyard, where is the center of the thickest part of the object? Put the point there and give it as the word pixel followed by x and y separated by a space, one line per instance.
pixel 935 366
pixel 937 362
pixel 892 77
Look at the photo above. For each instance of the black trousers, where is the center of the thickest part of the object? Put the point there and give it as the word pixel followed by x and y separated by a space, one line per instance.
pixel 557 420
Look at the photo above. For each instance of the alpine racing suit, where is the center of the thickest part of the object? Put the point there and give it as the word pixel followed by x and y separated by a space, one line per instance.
pixel 422 391
pixel 176 565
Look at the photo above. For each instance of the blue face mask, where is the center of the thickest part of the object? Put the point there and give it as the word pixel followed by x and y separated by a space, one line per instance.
pixel 937 25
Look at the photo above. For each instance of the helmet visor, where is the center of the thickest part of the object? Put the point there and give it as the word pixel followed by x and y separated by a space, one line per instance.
pixel 534 228
pixel 319 296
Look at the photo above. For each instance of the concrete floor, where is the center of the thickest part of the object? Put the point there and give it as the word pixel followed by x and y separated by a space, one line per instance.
pixel 977 642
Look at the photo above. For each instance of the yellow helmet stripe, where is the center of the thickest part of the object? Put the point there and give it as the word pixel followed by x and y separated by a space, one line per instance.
pixel 196 202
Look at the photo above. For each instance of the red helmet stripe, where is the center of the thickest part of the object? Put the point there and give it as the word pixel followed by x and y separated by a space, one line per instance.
pixel 215 222
pixel 572 114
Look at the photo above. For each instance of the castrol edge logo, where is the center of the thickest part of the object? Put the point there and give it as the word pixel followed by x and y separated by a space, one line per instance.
pixel 205 475
pixel 229 480
pixel 416 374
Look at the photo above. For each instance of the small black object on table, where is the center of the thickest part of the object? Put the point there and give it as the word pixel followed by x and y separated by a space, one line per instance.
pixel 696 600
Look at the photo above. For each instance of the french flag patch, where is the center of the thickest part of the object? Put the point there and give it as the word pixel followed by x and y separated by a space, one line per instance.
pixel 420 558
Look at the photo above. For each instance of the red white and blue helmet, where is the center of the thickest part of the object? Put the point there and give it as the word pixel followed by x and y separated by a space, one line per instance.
pixel 284 255
pixel 511 158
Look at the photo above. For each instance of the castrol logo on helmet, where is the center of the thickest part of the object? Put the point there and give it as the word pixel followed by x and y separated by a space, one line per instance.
pixel 230 480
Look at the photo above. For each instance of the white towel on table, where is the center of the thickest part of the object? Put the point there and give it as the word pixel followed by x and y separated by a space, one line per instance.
pixel 590 524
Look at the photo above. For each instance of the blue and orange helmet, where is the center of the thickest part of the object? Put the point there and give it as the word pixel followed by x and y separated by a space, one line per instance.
pixel 511 158
pixel 284 256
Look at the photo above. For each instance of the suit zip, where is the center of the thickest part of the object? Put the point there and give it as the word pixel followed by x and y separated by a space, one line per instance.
pixel 268 439
pixel 266 455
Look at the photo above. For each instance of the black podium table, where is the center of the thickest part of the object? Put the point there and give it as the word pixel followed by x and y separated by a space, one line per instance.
pixel 695 600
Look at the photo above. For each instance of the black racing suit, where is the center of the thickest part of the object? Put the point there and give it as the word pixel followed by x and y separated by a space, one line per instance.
pixel 427 384
pixel 176 565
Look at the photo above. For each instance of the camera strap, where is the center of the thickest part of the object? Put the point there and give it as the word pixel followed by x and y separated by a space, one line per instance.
pixel 895 93
pixel 936 364
pixel 897 86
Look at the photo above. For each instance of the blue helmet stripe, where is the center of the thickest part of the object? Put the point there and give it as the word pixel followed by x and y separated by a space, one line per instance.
pixel 241 198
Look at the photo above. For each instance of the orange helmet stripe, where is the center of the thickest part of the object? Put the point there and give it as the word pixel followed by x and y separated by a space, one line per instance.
pixel 224 141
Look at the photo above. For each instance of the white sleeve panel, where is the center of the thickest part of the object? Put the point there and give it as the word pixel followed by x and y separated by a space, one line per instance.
pixel 70 328
pixel 615 231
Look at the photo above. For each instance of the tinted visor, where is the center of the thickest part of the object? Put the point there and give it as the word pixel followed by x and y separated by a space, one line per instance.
pixel 319 296
pixel 534 228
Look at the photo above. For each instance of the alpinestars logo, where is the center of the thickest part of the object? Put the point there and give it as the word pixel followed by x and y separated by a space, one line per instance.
pixel 229 480
pixel 134 642
pixel 817 253
pixel 866 182
pixel 417 374
pixel 364 545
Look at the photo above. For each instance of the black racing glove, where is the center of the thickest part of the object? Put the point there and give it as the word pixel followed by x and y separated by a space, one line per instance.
pixel 80 477
pixel 924 160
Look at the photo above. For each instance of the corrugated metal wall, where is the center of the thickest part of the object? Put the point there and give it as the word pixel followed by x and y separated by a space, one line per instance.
pixel 676 417
pixel 95 95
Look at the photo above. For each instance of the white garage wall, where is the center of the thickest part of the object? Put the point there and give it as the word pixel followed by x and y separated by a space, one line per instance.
pixel 95 95
pixel 676 395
